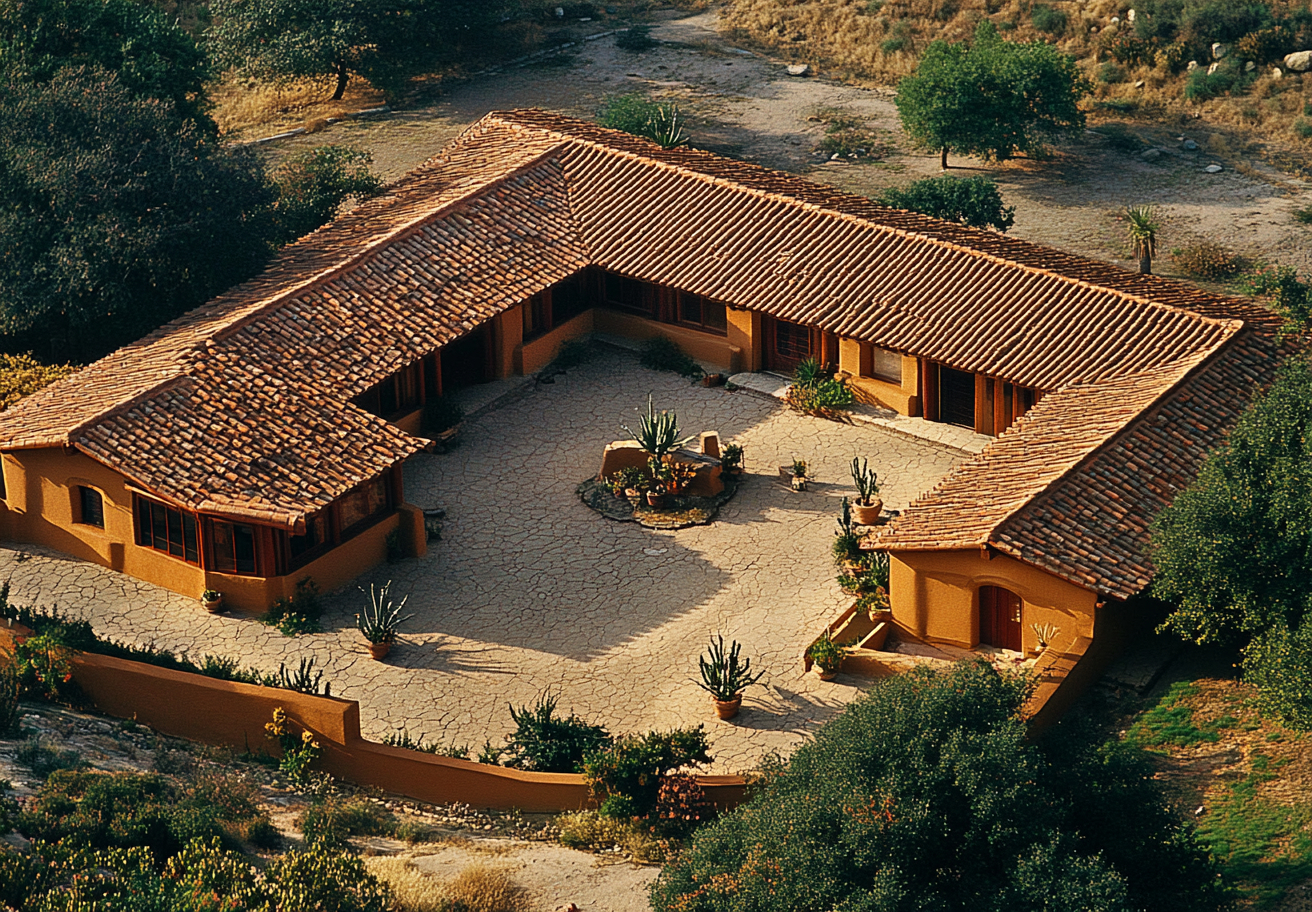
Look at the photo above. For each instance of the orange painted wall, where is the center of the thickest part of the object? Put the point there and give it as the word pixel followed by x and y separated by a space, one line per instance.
pixel 531 357
pixel 746 335
pixel 224 712
pixel 903 398
pixel 717 350
pixel 935 596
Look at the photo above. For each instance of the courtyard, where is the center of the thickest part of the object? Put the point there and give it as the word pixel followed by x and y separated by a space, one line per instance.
pixel 529 592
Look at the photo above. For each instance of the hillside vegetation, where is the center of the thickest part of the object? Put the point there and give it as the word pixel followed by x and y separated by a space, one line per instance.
pixel 1137 65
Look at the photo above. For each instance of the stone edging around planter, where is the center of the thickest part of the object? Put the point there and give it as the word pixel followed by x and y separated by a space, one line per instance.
pixel 692 511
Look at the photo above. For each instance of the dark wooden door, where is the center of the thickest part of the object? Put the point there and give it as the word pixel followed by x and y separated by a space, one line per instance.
pixel 467 360
pixel 789 344
pixel 999 617
pixel 956 404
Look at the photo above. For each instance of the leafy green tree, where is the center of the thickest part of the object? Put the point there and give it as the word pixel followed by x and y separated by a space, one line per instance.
pixel 150 55
pixel 973 201
pixel 1278 662
pixel 991 98
pixel 117 214
pixel 382 40
pixel 313 185
pixel 1233 552
pixel 926 794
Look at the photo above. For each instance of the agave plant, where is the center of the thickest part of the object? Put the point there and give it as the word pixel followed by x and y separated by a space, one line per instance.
pixel 724 675
pixel 658 433
pixel 381 618
pixel 665 127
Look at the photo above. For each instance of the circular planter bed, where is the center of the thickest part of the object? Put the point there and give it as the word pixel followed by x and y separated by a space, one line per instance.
pixel 680 513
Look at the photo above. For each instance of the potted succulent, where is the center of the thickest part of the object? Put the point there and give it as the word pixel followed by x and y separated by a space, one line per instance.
pixel 847 544
pixel 868 506
pixel 795 474
pixel 731 459
pixel 662 482
pixel 631 483
pixel 826 655
pixel 1043 634
pixel 381 619
pixel 212 601
pixel 725 678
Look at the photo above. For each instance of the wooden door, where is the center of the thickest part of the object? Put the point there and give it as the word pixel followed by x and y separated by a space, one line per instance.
pixel 956 403
pixel 788 345
pixel 999 617
pixel 467 360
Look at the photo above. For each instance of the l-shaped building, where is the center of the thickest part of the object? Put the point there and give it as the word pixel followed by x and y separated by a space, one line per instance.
pixel 259 439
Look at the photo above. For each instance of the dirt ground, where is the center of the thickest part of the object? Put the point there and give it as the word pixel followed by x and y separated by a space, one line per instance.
pixel 743 104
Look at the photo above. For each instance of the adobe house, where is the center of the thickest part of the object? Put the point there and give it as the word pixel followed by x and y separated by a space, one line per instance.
pixel 259 438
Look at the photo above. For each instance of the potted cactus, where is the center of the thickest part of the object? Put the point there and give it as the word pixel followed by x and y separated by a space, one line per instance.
pixel 381 620
pixel 212 601
pixel 731 459
pixel 868 506
pixel 725 677
pixel 795 474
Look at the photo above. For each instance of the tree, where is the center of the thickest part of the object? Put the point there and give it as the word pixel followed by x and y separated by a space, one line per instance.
pixel 1233 552
pixel 150 55
pixel 381 40
pixel 117 214
pixel 313 185
pixel 1141 225
pixel 926 794
pixel 973 201
pixel 992 98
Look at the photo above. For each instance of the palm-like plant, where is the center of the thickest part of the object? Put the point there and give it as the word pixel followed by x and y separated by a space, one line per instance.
pixel 724 675
pixel 1142 225
pixel 665 127
pixel 658 433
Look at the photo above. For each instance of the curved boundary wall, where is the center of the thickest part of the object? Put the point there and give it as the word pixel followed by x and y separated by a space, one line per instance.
pixel 228 713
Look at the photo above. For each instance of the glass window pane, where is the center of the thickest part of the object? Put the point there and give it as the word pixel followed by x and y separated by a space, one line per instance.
pixel 885 365
pixel 224 559
pixel 159 526
pixel 143 522
pixel 243 546
pixel 714 316
pixel 175 532
pixel 189 539
pixel 690 308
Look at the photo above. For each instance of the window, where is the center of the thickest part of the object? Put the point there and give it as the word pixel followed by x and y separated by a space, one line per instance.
pixel 792 341
pixel 702 312
pixel 232 546
pixel 364 502
pixel 166 529
pixel 398 393
pixel 91 507
pixel 316 534
pixel 537 317
pixel 881 363
pixel 626 294
pixel 569 299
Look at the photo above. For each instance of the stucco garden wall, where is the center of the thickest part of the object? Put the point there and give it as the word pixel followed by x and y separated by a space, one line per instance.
pixel 233 714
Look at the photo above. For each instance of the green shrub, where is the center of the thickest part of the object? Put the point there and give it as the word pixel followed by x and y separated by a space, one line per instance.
pixel 263 835
pixel 626 776
pixel 1289 296
pixel 591 831
pixel 11 688
pixel 42 759
pixel 1048 19
pixel 405 742
pixel 298 613
pixel 973 201
pixel 636 38
pixel 827 398
pixel 634 113
pixel 1111 73
pixel 664 354
pixel 1278 662
pixel 926 793
pixel 324 881
pixel 1303 128
pixel 546 743
pixel 1207 260
pixel 1303 215
pixel 328 823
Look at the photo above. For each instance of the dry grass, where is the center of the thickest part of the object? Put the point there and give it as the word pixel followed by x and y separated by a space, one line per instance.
pixel 247 109
pixel 589 831
pixel 477 888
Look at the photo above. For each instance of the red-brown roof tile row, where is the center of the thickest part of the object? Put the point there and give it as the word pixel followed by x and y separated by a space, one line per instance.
pixel 241 406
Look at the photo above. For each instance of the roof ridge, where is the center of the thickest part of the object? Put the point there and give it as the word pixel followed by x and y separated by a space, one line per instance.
pixel 509 117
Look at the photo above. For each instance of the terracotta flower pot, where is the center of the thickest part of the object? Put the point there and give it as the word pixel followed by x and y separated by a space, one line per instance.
pixel 826 675
pixel 798 482
pixel 727 709
pixel 633 496
pixel 380 650
pixel 867 515
pixel 658 501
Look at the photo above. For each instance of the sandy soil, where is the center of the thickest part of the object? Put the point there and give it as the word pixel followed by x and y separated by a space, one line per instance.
pixel 743 104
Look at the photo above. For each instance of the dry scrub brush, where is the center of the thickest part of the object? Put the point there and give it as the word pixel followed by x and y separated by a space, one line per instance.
pixel 477 888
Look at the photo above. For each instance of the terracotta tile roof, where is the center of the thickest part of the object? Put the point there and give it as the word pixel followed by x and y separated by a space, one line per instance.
pixel 1073 486
pixel 241 405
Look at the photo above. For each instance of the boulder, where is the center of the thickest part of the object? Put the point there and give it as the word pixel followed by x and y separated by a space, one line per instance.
pixel 1218 50
pixel 1249 66
pixel 1129 15
pixel 1276 73
pixel 1150 154
pixel 1192 65
pixel 799 69
pixel 1189 145
pixel 1212 68
pixel 1299 61
pixel 1213 169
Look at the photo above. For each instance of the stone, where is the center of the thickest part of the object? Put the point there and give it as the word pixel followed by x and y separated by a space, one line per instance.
pixel 1276 73
pixel 1299 61
pixel 560 12
pixel 1193 65
pixel 1218 50
pixel 1150 154
pixel 1116 20
pixel 1211 68
pixel 1129 15
pixel 1213 169
pixel 1249 66
pixel 1189 145
pixel 1139 84
pixel 799 69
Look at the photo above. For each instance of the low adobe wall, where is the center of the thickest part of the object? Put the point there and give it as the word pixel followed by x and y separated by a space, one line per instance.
pixel 229 713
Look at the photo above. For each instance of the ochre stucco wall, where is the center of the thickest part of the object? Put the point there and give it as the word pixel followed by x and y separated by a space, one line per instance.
pixel 41 509
pixel 903 398
pixel 531 357
pixel 225 712
pixel 935 596
pixel 717 350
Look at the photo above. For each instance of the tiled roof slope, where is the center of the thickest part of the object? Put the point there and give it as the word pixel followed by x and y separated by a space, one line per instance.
pixel 1073 486
pixel 241 405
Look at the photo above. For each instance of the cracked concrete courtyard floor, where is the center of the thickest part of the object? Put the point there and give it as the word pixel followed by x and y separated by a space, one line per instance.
pixel 529 591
